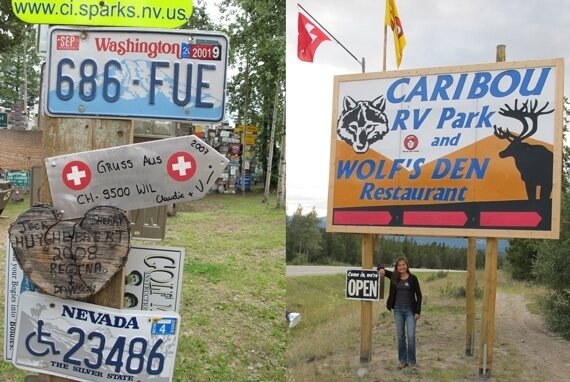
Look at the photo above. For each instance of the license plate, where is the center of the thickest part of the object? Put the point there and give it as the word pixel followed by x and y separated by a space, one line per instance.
pixel 94 343
pixel 136 73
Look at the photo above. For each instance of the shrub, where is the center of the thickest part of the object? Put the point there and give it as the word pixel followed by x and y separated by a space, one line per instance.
pixel 460 291
pixel 437 276
pixel 558 306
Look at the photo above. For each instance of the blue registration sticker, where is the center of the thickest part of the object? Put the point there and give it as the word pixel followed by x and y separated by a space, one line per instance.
pixel 165 326
pixel 185 51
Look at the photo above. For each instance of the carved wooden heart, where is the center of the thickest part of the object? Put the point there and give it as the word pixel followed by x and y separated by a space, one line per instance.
pixel 69 259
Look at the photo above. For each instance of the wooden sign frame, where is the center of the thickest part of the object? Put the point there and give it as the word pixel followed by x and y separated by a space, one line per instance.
pixel 448 133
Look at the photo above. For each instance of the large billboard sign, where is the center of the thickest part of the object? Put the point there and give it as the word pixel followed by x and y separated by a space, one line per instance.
pixel 457 151
pixel 136 73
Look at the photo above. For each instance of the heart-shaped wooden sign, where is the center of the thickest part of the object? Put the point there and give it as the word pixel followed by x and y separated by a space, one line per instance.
pixel 68 259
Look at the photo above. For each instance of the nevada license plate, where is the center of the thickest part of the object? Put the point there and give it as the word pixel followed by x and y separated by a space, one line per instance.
pixel 129 73
pixel 94 343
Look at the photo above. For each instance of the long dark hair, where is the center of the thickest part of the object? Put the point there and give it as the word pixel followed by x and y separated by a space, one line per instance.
pixel 396 275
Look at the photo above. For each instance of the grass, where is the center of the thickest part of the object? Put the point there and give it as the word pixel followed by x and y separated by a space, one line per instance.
pixel 233 289
pixel 325 346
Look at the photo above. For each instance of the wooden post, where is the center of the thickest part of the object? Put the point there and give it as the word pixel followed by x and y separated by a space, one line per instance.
pixel 470 298
pixel 366 306
pixel 490 293
pixel 489 299
pixel 376 246
pixel 501 53
pixel 69 135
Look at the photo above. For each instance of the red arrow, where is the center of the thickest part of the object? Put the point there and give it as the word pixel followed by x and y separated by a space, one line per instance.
pixel 362 217
pixel 435 218
pixel 510 219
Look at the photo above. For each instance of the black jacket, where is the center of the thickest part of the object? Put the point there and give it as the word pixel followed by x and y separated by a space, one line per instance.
pixel 415 293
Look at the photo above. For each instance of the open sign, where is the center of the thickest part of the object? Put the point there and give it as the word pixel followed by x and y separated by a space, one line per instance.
pixel 362 284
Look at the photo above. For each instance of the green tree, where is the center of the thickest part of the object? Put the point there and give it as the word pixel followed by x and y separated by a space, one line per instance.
pixel 552 264
pixel 303 237
pixel 200 19
pixel 342 247
pixel 552 269
pixel 12 71
pixel 521 254
pixel 12 30
pixel 432 258
pixel 257 54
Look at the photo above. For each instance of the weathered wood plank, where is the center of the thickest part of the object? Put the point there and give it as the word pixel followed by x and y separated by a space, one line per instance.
pixel 69 135
pixel 68 259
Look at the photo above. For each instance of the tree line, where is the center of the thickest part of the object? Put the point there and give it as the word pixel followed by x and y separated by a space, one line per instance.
pixel 309 243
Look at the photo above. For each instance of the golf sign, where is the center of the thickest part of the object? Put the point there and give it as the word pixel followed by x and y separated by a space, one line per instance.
pixel 471 151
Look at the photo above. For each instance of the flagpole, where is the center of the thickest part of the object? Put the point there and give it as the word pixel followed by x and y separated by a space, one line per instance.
pixel 385 37
pixel 334 38
pixel 385 43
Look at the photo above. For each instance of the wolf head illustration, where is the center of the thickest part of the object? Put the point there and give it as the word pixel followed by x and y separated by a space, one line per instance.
pixel 362 123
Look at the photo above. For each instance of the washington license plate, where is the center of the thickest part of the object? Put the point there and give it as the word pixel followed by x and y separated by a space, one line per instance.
pixel 129 73
pixel 94 343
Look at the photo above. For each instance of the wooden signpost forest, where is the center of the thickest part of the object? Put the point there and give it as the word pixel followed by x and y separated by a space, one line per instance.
pixel 472 151
pixel 87 80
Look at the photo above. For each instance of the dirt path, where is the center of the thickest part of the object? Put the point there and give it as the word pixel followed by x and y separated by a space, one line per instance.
pixel 526 334
pixel 524 350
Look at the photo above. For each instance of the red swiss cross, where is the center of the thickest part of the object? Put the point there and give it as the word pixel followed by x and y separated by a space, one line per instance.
pixel 181 166
pixel 76 175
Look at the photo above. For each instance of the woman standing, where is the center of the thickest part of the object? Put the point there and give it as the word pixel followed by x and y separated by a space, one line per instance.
pixel 406 299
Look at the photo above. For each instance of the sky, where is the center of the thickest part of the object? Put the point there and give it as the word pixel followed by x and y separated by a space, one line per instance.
pixel 439 33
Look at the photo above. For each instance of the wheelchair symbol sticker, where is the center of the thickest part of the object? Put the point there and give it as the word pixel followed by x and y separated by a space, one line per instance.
pixel 41 345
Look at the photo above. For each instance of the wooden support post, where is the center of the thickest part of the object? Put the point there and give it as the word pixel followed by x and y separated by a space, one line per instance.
pixel 69 135
pixel 501 53
pixel 366 306
pixel 376 248
pixel 470 298
pixel 490 293
pixel 489 299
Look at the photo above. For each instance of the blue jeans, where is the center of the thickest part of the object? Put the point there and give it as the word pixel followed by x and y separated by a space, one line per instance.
pixel 405 322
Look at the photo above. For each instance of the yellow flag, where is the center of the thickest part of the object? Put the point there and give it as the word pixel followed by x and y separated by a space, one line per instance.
pixel 394 22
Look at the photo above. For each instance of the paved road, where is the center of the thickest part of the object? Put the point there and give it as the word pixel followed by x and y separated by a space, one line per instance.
pixel 312 270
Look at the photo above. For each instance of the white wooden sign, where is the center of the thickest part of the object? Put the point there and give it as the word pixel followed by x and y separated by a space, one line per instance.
pixel 162 172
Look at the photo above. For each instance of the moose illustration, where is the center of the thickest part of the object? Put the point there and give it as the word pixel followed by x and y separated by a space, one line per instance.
pixel 534 162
